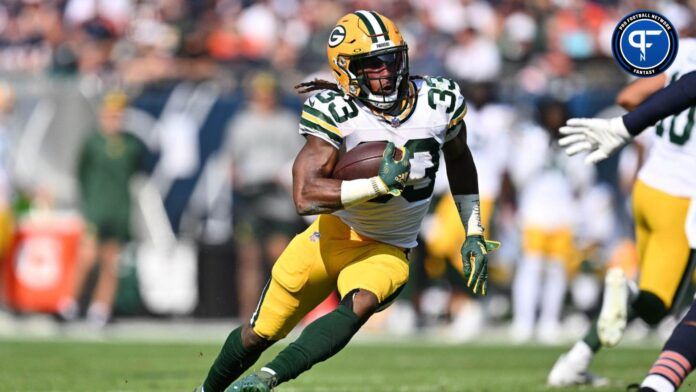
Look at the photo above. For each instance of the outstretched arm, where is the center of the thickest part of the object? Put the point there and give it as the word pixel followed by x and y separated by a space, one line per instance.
pixel 670 100
pixel 463 180
pixel 636 92
pixel 602 137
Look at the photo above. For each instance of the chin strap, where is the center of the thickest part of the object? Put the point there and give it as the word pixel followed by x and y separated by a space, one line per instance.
pixel 402 107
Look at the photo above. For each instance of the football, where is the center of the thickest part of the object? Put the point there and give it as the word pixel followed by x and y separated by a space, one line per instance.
pixel 362 161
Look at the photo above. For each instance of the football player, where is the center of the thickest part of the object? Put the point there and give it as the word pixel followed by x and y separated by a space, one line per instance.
pixel 662 197
pixel 359 243
pixel 546 179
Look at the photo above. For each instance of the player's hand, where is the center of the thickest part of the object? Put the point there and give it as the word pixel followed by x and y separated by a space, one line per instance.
pixel 394 172
pixel 599 137
pixel 475 256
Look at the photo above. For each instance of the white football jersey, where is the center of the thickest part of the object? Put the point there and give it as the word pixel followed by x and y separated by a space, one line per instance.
pixel 432 119
pixel 547 180
pixel 671 164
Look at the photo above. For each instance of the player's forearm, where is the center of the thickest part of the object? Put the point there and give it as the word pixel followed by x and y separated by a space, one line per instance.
pixel 672 99
pixel 463 180
pixel 318 196
pixel 461 173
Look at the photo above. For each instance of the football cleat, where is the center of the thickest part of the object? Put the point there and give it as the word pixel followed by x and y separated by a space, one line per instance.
pixel 613 316
pixel 568 372
pixel 256 382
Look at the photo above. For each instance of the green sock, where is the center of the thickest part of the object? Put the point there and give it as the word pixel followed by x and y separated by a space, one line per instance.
pixel 592 338
pixel 319 341
pixel 232 361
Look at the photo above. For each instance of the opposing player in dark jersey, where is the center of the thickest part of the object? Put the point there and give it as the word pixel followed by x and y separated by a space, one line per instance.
pixel 601 138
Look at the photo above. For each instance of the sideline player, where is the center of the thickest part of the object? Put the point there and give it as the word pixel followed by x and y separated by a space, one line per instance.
pixel 359 243
pixel 662 199
pixel 545 179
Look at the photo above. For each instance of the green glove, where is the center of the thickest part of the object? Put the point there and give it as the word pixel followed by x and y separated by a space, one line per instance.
pixel 393 172
pixel 475 256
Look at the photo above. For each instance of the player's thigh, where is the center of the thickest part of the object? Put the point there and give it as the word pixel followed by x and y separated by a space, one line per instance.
pixel 641 209
pixel 298 283
pixel 279 310
pixel 666 264
pixel 534 241
pixel 382 270
pixel 561 247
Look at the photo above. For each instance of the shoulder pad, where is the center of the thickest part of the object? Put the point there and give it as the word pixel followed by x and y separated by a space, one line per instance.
pixel 317 117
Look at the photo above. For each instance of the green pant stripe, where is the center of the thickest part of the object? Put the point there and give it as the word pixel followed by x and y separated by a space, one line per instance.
pixel 387 301
pixel 255 316
pixel 684 282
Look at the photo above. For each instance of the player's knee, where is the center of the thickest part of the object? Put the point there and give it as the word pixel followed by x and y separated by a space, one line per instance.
pixel 650 307
pixel 362 302
pixel 252 341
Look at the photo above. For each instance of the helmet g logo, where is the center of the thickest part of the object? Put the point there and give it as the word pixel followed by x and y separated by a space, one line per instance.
pixel 338 34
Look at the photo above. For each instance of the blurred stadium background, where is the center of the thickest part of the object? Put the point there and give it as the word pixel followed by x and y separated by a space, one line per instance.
pixel 194 101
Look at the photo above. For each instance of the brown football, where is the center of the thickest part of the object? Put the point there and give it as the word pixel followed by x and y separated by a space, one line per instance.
pixel 361 162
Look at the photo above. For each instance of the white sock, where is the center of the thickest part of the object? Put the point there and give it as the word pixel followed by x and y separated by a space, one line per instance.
pixel 98 314
pixel 552 296
pixel 658 383
pixel 525 294
pixel 68 308
pixel 581 355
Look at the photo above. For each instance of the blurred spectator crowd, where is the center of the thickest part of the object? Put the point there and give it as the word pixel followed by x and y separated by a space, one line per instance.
pixel 135 42
pixel 206 88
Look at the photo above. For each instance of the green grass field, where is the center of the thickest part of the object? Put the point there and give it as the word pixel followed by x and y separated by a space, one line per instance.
pixel 80 366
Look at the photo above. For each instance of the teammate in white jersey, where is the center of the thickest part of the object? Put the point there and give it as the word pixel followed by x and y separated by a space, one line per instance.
pixel 548 184
pixel 662 198
pixel 359 243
